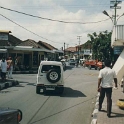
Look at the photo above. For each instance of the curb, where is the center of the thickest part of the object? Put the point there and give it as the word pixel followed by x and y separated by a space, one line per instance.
pixel 95 112
pixel 8 84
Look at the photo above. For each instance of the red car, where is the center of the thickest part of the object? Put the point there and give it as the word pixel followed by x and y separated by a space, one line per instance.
pixel 93 64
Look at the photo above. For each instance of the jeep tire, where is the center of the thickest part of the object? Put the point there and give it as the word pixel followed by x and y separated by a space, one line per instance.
pixel 53 76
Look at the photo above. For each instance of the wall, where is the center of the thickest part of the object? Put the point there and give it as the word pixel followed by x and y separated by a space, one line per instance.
pixel 119 67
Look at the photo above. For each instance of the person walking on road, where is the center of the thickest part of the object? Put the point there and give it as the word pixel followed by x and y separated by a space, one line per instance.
pixel 3 69
pixel 10 67
pixel 105 84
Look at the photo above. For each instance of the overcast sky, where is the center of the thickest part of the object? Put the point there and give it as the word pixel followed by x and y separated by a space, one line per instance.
pixel 53 32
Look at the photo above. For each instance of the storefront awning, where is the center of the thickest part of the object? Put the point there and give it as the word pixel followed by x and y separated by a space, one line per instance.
pixel 3 50
pixel 30 48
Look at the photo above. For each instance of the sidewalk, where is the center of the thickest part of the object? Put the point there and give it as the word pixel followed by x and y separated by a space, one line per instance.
pixel 12 82
pixel 117 115
pixel 8 83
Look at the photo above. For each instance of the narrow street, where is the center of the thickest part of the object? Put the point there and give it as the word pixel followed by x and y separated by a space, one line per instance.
pixel 74 106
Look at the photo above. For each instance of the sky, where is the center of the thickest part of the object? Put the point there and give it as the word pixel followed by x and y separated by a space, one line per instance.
pixel 80 15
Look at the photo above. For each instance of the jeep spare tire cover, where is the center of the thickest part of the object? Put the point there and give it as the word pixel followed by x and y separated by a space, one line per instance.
pixel 53 76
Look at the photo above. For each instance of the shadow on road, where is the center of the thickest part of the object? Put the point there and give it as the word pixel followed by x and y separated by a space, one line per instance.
pixel 69 67
pixel 68 92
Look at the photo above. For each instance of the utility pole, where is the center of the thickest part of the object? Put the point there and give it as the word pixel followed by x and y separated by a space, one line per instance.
pixel 67 45
pixel 64 48
pixel 115 7
pixel 78 37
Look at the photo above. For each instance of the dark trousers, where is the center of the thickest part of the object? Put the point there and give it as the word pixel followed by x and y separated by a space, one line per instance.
pixel 108 92
pixel 3 75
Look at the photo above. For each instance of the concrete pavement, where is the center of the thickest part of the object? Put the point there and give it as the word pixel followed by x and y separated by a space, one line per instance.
pixel 8 83
pixel 13 82
pixel 98 117
pixel 117 115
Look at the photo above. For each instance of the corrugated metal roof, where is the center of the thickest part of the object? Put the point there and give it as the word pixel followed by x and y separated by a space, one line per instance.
pixel 30 42
pixel 71 49
pixel 46 45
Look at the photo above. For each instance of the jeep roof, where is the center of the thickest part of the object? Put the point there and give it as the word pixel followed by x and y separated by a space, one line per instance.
pixel 51 63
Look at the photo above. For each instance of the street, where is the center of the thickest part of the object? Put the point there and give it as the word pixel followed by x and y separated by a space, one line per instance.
pixel 74 106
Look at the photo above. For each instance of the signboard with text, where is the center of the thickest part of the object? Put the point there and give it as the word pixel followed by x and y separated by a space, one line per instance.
pixel 118 50
pixel 3 36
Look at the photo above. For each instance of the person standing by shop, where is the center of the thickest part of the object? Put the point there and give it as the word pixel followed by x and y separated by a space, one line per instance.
pixel 105 84
pixel 3 69
pixel 10 67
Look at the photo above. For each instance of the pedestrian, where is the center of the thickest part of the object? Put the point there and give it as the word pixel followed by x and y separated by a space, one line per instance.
pixel 16 68
pixel 10 67
pixel 105 84
pixel 3 69
pixel 76 62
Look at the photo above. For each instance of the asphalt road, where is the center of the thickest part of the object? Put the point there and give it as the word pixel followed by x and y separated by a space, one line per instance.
pixel 74 106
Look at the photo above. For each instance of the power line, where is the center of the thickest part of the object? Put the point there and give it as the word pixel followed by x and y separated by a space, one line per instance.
pixel 41 18
pixel 27 29
pixel 53 19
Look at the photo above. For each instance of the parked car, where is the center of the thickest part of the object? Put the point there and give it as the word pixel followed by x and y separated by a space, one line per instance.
pixel 100 65
pixel 72 61
pixel 10 116
pixel 50 77
pixel 93 64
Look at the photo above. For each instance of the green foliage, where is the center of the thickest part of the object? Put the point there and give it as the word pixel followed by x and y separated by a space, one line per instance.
pixel 101 45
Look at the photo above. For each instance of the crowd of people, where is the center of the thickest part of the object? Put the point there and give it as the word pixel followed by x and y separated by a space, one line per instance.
pixel 6 68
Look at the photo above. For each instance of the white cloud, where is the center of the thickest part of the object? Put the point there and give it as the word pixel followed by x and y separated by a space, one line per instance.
pixel 58 10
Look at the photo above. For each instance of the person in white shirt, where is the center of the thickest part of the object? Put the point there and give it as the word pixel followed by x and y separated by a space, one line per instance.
pixel 105 84
pixel 10 65
pixel 3 69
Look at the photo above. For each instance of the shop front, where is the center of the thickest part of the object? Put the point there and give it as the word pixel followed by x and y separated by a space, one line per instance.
pixel 3 52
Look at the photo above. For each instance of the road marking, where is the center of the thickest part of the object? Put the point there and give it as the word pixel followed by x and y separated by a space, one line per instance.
pixel 91 74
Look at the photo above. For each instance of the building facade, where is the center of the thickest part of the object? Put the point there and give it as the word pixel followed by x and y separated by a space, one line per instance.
pixel 28 53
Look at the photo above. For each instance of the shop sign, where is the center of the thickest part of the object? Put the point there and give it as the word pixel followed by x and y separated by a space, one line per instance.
pixel 3 36
pixel 118 50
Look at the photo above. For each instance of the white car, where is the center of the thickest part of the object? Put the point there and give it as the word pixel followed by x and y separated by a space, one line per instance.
pixel 50 77
pixel 81 61
pixel 72 61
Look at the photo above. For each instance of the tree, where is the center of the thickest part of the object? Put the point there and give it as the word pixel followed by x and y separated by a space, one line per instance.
pixel 101 45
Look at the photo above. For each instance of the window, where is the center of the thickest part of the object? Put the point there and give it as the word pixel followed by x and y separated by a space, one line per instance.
pixel 46 68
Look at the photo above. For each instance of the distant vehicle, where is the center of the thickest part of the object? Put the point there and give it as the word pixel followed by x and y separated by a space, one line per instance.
pixel 72 61
pixel 99 65
pixel 93 64
pixel 81 61
pixel 50 77
pixel 10 116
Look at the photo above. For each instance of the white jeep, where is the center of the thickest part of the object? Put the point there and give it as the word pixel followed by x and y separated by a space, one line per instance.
pixel 50 77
